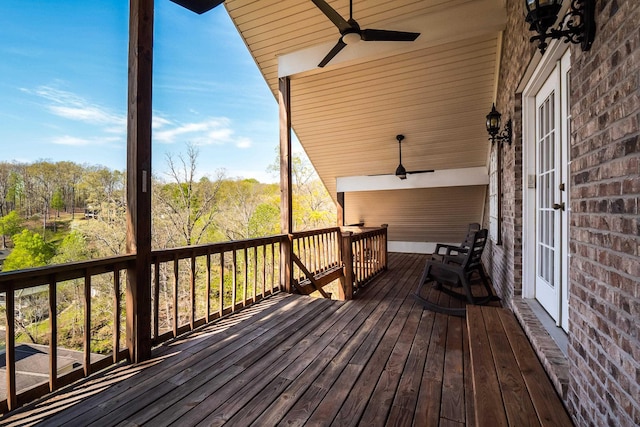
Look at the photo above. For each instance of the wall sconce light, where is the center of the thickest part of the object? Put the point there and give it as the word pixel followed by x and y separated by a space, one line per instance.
pixel 493 127
pixel 577 26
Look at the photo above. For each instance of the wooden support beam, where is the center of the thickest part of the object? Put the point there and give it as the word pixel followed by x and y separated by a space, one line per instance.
pixel 286 192
pixel 138 296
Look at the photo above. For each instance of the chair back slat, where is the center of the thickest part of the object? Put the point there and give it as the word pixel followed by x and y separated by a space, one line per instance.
pixel 468 240
pixel 474 255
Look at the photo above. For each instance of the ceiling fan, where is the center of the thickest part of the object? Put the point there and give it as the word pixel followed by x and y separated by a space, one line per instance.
pixel 401 172
pixel 198 6
pixel 350 31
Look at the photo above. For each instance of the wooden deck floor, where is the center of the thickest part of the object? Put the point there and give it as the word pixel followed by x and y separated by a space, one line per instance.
pixel 292 360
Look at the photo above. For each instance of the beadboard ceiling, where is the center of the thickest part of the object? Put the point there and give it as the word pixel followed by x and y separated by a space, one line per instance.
pixel 436 90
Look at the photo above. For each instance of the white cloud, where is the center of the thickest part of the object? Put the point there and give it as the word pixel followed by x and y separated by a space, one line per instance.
pixel 244 142
pixel 74 141
pixel 212 131
pixel 158 122
pixel 74 107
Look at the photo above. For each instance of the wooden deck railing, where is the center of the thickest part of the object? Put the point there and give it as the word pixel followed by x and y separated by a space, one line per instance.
pixel 194 285
pixel 369 255
pixel 86 276
pixel 190 286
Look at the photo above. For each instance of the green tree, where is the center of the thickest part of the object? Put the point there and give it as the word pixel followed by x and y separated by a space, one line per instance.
pixel 265 220
pixel 10 224
pixel 312 204
pixel 73 247
pixel 30 250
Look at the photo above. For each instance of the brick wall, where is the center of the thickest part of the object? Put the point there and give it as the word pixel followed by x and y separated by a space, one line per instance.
pixel 604 317
pixel 604 351
pixel 504 261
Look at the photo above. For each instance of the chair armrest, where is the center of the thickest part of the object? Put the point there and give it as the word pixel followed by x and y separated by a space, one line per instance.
pixel 459 250
pixel 445 246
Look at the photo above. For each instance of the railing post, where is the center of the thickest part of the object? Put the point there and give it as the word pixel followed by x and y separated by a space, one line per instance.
pixel 286 267
pixel 346 282
pixel 386 246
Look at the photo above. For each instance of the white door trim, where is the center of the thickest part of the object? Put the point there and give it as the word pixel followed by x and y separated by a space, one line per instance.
pixel 539 76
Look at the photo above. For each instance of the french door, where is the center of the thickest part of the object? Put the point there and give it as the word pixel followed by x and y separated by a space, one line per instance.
pixel 552 129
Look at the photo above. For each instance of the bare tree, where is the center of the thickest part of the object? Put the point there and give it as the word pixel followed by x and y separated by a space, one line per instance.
pixel 187 204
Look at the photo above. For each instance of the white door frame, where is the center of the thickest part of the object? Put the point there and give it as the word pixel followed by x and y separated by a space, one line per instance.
pixel 541 73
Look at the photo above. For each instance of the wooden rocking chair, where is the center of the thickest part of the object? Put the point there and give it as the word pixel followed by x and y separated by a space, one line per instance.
pixel 445 275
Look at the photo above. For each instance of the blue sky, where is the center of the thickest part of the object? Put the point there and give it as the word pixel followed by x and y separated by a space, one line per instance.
pixel 63 87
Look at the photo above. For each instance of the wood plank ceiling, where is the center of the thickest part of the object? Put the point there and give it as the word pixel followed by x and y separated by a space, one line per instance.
pixel 436 90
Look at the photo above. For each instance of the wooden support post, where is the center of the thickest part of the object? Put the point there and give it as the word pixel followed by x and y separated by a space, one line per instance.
pixel 340 209
pixel 346 282
pixel 138 297
pixel 286 192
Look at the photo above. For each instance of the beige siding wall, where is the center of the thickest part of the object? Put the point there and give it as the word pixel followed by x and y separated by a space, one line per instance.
pixel 418 215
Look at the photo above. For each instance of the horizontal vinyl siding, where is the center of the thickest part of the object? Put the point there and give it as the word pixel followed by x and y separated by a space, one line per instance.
pixel 418 215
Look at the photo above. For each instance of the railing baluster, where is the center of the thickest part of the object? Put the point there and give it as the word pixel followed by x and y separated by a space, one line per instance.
pixel 192 292
pixel 208 286
pixel 117 311
pixel 221 291
pixel 53 334
pixel 176 313
pixel 87 323
pixel 246 276
pixel 12 399
pixel 273 265
pixel 156 298
pixel 255 272
pixel 264 271
pixel 245 271
pixel 234 261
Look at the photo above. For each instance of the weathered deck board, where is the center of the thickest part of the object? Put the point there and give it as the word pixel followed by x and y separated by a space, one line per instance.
pixel 510 385
pixel 295 360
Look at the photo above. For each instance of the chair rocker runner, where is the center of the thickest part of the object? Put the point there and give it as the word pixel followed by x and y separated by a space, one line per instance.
pixel 444 275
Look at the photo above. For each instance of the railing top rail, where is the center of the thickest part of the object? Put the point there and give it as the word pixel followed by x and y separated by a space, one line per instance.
pixel 214 248
pixel 299 234
pixel 21 279
pixel 363 234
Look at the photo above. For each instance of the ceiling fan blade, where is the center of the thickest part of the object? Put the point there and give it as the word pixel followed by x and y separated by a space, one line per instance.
pixel 337 48
pixel 334 16
pixel 198 6
pixel 422 171
pixel 388 36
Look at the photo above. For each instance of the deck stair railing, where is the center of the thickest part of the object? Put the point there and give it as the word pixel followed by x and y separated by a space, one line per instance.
pixel 354 255
pixel 317 259
pixel 369 248
pixel 190 286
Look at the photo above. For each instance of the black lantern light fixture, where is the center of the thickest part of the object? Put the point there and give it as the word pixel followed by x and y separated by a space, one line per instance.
pixel 493 127
pixel 577 26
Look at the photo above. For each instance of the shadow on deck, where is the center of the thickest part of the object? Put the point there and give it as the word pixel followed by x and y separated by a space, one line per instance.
pixel 377 360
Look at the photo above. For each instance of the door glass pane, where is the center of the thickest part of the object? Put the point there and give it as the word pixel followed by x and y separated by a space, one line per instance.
pixel 547 179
